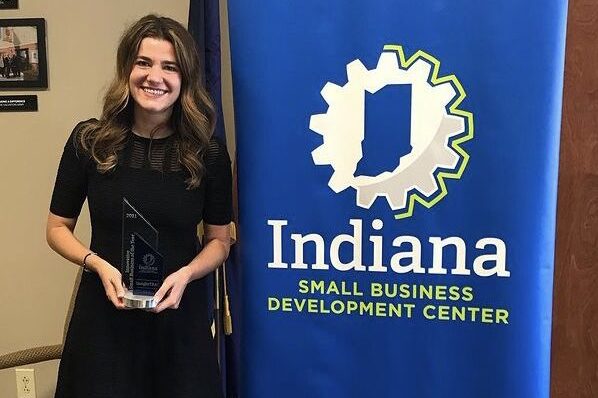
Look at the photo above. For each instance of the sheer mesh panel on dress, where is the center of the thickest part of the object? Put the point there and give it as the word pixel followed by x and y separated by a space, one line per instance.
pixel 157 154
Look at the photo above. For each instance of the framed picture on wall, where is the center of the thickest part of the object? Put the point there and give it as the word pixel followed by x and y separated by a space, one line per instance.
pixel 23 53
pixel 9 4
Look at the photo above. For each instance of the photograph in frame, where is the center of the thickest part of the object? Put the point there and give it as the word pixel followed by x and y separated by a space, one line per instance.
pixel 9 4
pixel 23 53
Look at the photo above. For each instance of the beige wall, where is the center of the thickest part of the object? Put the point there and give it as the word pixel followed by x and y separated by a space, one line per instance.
pixel 35 283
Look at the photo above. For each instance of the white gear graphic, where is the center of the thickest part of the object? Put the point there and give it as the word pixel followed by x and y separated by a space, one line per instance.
pixel 432 127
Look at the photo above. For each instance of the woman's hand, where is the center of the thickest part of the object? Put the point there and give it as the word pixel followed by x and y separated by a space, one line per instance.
pixel 170 293
pixel 59 234
pixel 112 280
pixel 216 245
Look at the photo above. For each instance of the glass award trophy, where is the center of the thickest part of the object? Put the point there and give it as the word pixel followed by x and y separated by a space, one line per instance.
pixel 142 264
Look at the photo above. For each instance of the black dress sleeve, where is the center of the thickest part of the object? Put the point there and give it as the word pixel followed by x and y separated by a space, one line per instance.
pixel 70 188
pixel 218 199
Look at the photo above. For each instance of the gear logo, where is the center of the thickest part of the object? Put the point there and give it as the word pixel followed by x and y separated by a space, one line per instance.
pixel 438 128
pixel 149 259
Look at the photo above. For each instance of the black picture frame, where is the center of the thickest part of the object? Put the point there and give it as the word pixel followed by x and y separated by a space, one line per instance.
pixel 23 49
pixel 9 4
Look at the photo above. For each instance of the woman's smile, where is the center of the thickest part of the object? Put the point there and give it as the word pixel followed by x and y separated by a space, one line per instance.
pixel 154 92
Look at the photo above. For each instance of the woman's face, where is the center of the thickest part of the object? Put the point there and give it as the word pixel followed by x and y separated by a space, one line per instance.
pixel 155 80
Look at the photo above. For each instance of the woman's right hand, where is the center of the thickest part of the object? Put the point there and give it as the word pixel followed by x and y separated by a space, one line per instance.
pixel 59 234
pixel 112 280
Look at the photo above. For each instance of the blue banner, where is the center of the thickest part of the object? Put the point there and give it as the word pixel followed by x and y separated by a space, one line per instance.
pixel 397 190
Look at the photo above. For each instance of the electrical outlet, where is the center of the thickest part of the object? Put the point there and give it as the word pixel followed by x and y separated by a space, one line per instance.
pixel 25 383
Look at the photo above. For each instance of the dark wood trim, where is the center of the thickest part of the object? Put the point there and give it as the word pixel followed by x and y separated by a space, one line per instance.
pixel 575 312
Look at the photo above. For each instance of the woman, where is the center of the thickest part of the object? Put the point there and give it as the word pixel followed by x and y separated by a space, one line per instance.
pixel 151 146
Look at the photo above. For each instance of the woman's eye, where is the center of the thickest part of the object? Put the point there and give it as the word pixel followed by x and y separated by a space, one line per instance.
pixel 141 63
pixel 171 68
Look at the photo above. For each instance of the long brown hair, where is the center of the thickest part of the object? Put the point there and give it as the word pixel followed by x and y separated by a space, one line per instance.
pixel 193 117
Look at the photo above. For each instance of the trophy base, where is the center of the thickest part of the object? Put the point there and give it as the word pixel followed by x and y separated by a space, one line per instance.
pixel 138 301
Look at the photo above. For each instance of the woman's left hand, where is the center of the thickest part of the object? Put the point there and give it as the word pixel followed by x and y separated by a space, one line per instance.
pixel 170 293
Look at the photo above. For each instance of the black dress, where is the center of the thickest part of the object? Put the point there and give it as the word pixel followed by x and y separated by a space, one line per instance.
pixel 112 353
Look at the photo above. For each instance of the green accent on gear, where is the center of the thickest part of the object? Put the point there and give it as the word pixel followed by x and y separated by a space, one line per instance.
pixel 455 144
